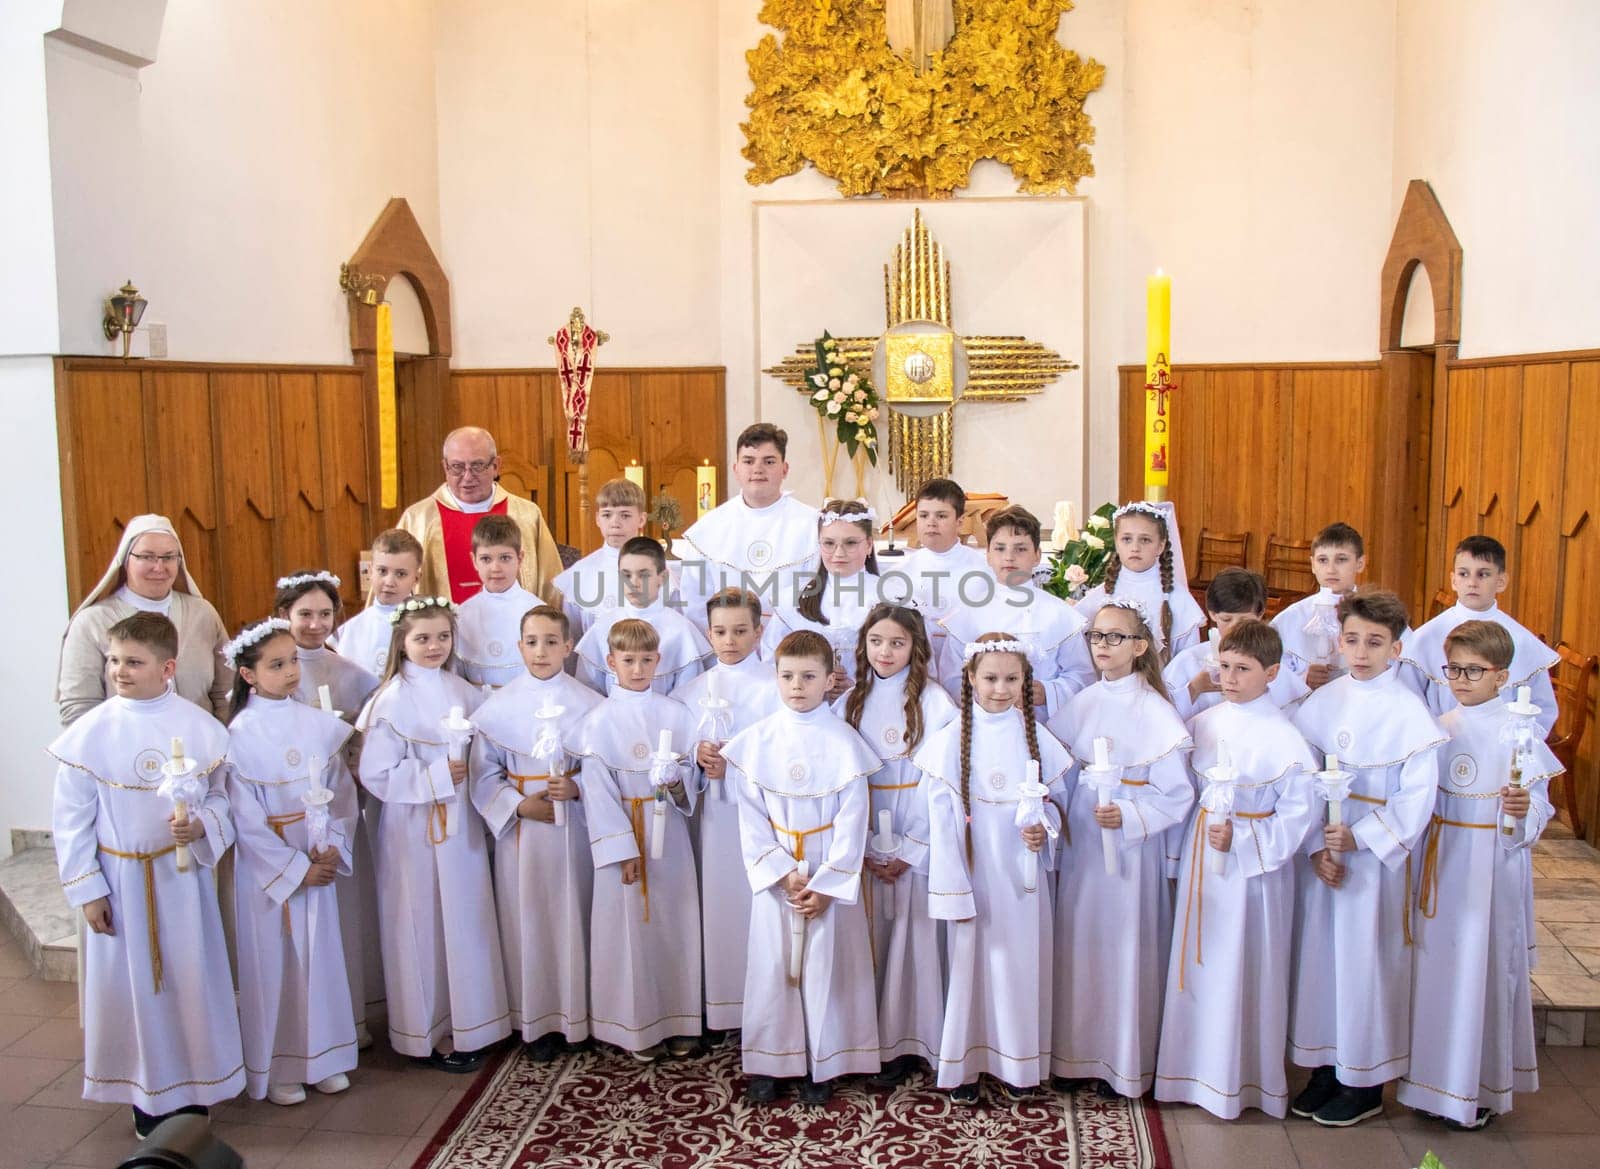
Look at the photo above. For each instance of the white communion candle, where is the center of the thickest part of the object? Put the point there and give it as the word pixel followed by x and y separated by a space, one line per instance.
pixel 797 932
pixel 180 807
pixel 1524 695
pixel 1102 753
pixel 1108 836
pixel 314 773
pixel 658 827
pixel 324 697
pixel 664 743
pixel 1508 823
pixel 1335 807
pixel 885 843
pixel 714 685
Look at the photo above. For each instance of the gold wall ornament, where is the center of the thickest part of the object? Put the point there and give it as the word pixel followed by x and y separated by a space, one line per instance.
pixel 918 329
pixel 835 93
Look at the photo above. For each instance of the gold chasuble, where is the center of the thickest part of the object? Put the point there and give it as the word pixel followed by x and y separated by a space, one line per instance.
pixel 452 565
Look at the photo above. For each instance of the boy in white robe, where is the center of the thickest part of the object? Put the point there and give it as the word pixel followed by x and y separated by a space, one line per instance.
pixel 803 821
pixel 1113 931
pixel 396 568
pixel 745 693
pixel 999 927
pixel 444 979
pixel 1008 602
pixel 1472 1009
pixel 491 619
pixel 593 585
pixel 1478 576
pixel 1350 1007
pixel 543 874
pixel 1226 1015
pixel 645 968
pixel 293 1009
pixel 763 539
pixel 683 649
pixel 160 1029
pixel 936 568
pixel 1235 595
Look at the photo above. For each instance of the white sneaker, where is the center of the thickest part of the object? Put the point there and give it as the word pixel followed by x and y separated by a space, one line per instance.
pixel 335 1083
pixel 286 1094
pixel 363 1037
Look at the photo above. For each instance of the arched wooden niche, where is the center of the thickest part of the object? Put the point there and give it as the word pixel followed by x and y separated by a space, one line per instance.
pixel 1422 235
pixel 395 246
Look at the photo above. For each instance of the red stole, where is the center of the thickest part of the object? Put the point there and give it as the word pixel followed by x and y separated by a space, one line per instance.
pixel 456 527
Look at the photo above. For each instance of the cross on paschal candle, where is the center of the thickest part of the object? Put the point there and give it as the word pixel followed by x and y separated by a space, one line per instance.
pixel 574 344
pixel 924 357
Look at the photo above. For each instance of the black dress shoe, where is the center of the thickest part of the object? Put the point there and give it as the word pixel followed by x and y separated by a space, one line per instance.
pixel 893 1073
pixel 814 1093
pixel 966 1094
pixel 761 1090
pixel 1481 1120
pixel 546 1048
pixel 145 1123
pixel 1324 1086
pixel 1351 1106
pixel 458 1062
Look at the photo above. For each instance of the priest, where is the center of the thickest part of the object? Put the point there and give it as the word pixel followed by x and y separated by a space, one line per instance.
pixel 443 522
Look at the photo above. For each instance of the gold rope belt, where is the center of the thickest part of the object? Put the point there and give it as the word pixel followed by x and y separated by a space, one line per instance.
pixel 520 782
pixel 148 860
pixel 636 814
pixel 799 837
pixel 1428 893
pixel 1405 903
pixel 438 824
pixel 1197 883
pixel 890 787
pixel 278 824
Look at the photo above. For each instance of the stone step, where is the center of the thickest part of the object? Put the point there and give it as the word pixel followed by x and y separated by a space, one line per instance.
pixel 34 909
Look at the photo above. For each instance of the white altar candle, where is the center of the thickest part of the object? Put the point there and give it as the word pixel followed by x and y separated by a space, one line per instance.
pixel 797 931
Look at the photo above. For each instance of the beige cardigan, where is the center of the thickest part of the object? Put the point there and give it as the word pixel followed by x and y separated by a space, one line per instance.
pixel 203 677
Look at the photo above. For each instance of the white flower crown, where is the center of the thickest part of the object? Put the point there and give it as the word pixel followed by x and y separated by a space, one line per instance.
pixel 1139 507
pixel 850 517
pixel 320 577
pixel 417 604
pixel 1009 646
pixel 1132 604
pixel 249 636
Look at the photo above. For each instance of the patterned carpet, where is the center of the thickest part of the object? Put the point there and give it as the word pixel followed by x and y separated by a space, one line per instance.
pixel 601 1110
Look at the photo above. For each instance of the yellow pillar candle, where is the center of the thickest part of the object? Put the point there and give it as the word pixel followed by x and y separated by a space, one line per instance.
pixel 635 474
pixel 1158 381
pixel 705 488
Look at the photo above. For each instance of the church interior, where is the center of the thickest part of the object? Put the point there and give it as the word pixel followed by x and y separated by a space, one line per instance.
pixel 261 258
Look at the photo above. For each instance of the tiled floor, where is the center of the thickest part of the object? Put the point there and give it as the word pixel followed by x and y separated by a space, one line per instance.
pixel 391 1109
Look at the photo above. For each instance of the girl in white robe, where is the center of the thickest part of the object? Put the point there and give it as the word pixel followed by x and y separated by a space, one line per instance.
pixel 1142 569
pixel 160 1028
pixel 749 688
pixel 293 1012
pixel 443 975
pixel 838 598
pixel 1350 1006
pixel 310 602
pixel 999 929
pixel 803 798
pixel 896 705
pixel 543 874
pixel 645 967
pixel 1114 930
pixel 1472 1041
pixel 1226 1016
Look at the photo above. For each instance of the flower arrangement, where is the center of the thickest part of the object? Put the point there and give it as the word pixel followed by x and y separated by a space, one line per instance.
pixel 845 398
pixel 1080 564
pixel 417 604
pixel 832 93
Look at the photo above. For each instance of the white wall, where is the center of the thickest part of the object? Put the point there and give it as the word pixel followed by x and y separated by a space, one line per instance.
pixel 231 177
pixel 1498 107
pixel 577 168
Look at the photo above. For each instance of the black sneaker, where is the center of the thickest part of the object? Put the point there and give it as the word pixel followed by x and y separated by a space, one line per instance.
pixel 966 1094
pixel 1479 1121
pixel 714 1037
pixel 1324 1086
pixel 458 1063
pixel 1105 1091
pixel 893 1073
pixel 1066 1083
pixel 683 1046
pixel 1350 1106
pixel 546 1048
pixel 761 1090
pixel 145 1123
pixel 814 1093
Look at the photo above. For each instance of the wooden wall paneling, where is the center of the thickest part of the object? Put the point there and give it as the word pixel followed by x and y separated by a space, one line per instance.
pixel 685 427
pixel 350 513
pixel 179 440
pixel 1494 488
pixel 1457 509
pixel 244 456
pixel 1398 397
pixel 301 535
pixel 104 459
pixel 1537 555
pixel 1243 468
pixel 1130 444
pixel 1330 431
pixel 426 406
pixel 1188 410
pixel 1580 561
pixel 520 408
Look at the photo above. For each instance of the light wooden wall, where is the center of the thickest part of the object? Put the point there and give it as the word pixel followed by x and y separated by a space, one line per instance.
pixel 262 469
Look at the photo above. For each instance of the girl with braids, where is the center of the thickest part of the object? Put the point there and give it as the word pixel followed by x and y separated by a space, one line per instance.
pixel 1114 930
pixel 1142 569
pixel 309 601
pixel 836 601
pixel 895 705
pixel 442 967
pixel 294 1006
pixel 998 938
